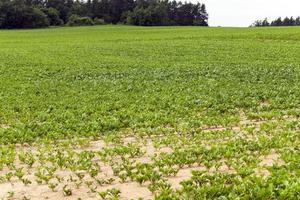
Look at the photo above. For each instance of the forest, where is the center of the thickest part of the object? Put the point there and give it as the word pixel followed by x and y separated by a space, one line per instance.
pixel 44 13
pixel 287 21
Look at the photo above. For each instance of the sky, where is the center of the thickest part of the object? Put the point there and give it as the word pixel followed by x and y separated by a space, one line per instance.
pixel 242 13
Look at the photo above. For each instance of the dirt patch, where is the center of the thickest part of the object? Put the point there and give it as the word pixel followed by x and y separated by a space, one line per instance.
pixel 103 153
pixel 267 161
pixel 131 190
pixel 182 175
pixel 96 145
pixel 271 159
pixel 5 126
pixel 264 103
pixel 213 128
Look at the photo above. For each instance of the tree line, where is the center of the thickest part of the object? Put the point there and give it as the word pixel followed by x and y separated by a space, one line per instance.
pixel 287 21
pixel 44 13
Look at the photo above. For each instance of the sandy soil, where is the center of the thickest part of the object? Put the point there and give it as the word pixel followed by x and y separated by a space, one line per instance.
pixel 15 189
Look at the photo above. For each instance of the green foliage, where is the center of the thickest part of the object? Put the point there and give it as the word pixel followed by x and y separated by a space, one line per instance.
pixel 155 14
pixel 232 186
pixel 110 194
pixel 98 21
pixel 287 21
pixel 42 13
pixel 67 191
pixel 76 20
pixel 158 13
pixel 53 16
pixel 16 14
pixel 158 101
pixel 142 85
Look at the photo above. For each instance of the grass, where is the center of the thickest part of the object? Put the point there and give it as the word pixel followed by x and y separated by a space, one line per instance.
pixel 156 100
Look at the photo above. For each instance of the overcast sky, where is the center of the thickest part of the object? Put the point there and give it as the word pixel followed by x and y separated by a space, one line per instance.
pixel 245 12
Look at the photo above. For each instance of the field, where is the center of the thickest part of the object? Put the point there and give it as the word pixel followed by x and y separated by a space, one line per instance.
pixel 121 112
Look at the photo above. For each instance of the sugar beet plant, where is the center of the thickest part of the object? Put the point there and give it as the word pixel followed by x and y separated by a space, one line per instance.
pixel 99 109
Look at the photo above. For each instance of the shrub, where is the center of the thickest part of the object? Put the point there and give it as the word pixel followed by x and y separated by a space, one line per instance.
pixel 98 21
pixel 75 20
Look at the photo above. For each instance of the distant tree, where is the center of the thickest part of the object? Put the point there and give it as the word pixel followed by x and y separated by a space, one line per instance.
pixel 187 14
pixel 172 8
pixel 53 16
pixel 157 13
pixel 63 6
pixel 153 15
pixel 297 21
pixel 117 7
pixel 78 8
pixel 277 22
pixel 265 22
pixel 200 15
pixel 292 22
pixel 100 9
pixel 34 2
pixel 257 23
pixel 286 22
pixel 16 14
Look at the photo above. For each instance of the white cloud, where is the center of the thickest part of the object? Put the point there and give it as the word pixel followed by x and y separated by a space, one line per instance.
pixel 245 12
